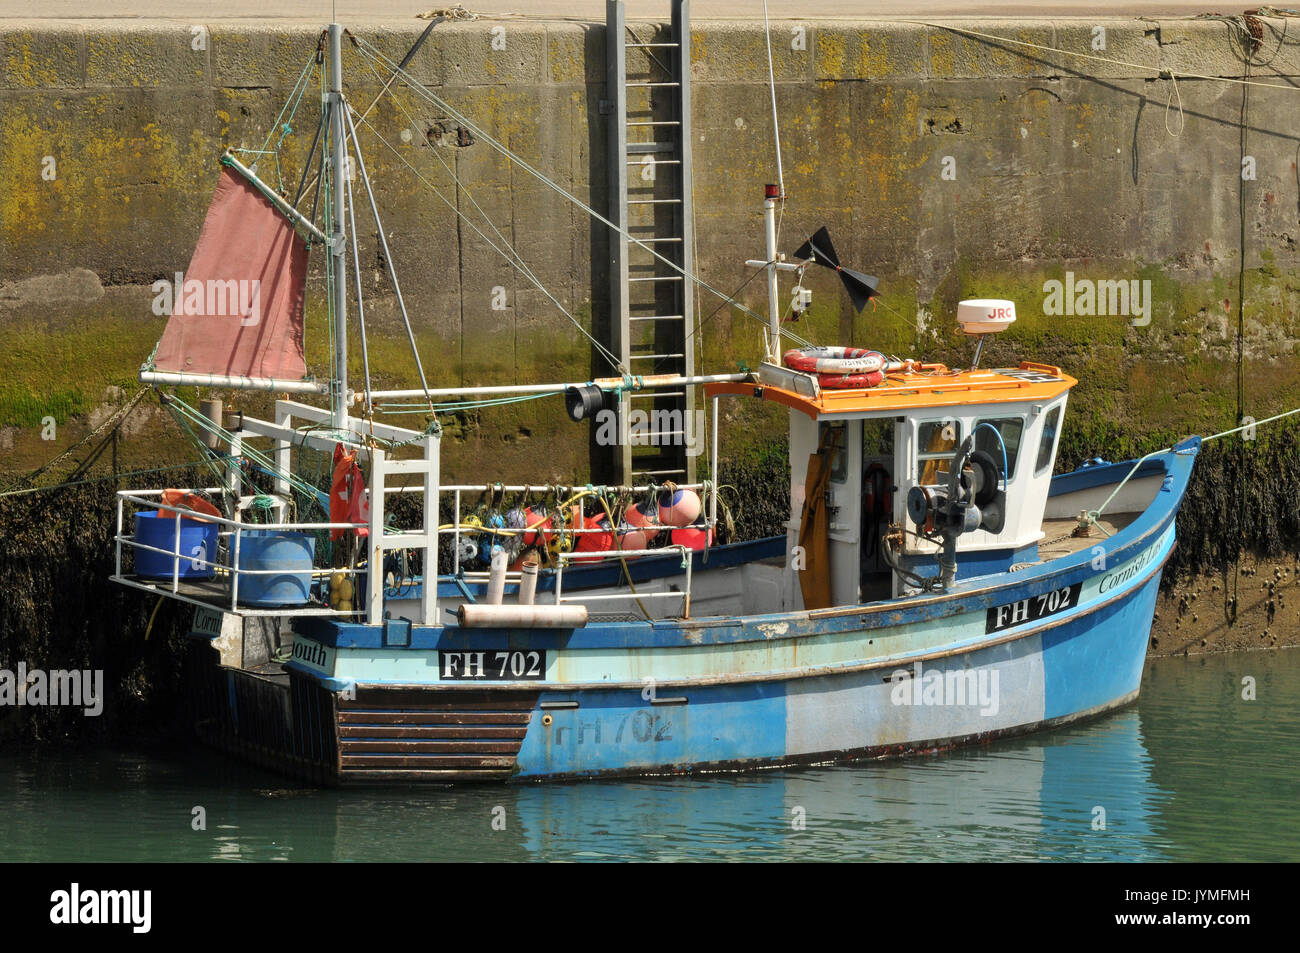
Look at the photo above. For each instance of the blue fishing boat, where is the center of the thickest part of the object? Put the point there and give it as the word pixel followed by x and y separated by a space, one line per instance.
pixel 937 584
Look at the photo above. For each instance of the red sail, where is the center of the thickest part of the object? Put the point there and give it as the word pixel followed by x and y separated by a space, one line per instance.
pixel 239 311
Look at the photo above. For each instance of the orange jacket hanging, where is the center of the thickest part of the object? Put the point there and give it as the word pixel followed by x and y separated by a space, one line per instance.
pixel 348 502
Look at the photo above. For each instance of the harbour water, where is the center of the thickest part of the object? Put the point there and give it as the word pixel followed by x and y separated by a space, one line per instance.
pixel 1194 771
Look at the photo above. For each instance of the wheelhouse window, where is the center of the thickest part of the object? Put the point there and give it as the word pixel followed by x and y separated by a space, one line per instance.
pixel 835 437
pixel 936 441
pixel 1011 429
pixel 1048 444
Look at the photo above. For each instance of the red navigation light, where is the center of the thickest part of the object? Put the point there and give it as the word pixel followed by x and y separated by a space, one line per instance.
pixel 772 191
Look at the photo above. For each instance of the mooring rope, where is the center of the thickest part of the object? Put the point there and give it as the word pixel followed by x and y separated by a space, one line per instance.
pixel 100 479
pixel 1095 515
pixel 116 419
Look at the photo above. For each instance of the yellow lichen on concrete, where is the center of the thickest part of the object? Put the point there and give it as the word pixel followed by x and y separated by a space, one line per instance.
pixel 565 56
pixel 94 156
pixel 25 68
pixel 865 54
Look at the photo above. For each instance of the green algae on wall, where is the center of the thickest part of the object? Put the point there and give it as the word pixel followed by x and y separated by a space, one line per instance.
pixel 60 611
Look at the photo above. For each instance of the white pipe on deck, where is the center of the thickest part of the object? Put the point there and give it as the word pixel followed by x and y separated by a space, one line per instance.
pixel 528 583
pixel 496 588
pixel 480 616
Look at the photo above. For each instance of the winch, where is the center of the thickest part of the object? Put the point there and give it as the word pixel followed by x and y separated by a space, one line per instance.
pixel 972 500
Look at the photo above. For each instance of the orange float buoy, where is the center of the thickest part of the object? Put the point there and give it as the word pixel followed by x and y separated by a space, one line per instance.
pixel 633 539
pixel 189 500
pixel 536 523
pixel 645 517
pixel 695 537
pixel 597 542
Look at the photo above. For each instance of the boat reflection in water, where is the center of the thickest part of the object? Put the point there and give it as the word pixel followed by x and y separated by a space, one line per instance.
pixel 1192 772
pixel 1028 799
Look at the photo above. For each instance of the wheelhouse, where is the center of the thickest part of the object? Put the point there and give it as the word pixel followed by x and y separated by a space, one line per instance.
pixel 885 440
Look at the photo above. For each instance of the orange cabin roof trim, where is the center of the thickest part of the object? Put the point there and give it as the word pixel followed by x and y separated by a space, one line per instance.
pixel 933 386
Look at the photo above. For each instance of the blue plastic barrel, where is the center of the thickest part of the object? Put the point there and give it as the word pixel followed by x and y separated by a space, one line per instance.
pixel 158 529
pixel 291 553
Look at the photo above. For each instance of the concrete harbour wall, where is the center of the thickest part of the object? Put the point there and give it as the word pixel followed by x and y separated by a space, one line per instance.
pixel 949 164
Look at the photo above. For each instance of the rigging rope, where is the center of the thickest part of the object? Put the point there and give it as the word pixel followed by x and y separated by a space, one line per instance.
pixel 327 219
pixel 1158 70
pixel 361 306
pixel 482 134
pixel 776 125
pixel 284 125
pixel 513 256
pixel 383 243
pixel 452 406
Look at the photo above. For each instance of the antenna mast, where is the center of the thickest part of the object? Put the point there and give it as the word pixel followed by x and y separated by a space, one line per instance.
pixel 338 247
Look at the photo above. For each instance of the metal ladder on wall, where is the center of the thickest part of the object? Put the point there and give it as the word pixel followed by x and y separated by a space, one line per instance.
pixel 652 305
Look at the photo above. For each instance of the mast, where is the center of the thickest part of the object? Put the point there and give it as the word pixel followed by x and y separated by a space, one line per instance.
pixel 772 195
pixel 773 263
pixel 338 247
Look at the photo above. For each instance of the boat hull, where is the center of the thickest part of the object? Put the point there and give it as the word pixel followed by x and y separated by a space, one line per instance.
pixel 1089 665
pixel 996 657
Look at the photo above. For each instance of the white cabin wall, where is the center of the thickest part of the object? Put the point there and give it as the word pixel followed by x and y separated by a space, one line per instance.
pixel 1035 500
pixel 846 519
pixel 803 443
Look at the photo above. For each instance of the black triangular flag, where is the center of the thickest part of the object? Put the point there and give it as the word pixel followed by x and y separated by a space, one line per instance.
pixel 861 287
pixel 819 249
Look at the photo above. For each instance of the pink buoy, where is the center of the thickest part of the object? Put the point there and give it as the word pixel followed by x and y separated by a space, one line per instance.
pixel 631 539
pixel 695 537
pixel 645 517
pixel 680 508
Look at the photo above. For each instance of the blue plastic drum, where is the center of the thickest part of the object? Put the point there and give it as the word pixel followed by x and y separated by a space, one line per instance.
pixel 291 554
pixel 158 529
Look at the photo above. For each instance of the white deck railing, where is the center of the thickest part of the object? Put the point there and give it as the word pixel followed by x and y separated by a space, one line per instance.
pixel 284 437
pixel 225 572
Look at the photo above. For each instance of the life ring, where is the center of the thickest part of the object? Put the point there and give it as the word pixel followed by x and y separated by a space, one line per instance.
pixel 189 500
pixel 839 366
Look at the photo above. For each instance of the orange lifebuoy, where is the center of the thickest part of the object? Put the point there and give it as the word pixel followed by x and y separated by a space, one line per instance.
pixel 189 500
